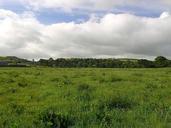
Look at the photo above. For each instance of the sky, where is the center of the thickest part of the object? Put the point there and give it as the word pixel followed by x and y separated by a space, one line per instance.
pixel 35 29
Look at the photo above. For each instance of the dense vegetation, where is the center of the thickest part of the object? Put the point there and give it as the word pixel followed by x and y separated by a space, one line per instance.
pixel 106 63
pixel 85 98
pixel 11 61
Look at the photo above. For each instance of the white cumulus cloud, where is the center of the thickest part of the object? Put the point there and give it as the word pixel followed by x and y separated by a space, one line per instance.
pixel 114 35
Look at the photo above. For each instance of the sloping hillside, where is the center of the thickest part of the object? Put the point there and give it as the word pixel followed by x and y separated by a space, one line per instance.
pixel 13 60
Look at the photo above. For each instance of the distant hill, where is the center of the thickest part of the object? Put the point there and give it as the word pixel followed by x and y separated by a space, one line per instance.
pixel 128 59
pixel 13 61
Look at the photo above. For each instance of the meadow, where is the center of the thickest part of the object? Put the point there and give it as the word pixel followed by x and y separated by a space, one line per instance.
pixel 85 98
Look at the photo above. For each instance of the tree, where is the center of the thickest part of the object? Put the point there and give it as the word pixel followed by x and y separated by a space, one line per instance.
pixel 43 62
pixel 146 63
pixel 50 62
pixel 161 61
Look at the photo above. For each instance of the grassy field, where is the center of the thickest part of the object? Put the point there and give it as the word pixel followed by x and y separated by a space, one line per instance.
pixel 85 98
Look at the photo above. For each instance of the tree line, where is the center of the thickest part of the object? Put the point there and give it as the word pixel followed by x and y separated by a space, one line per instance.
pixel 159 62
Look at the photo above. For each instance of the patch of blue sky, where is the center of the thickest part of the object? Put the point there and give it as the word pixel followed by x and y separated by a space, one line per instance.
pixel 138 11
pixel 13 6
pixel 51 16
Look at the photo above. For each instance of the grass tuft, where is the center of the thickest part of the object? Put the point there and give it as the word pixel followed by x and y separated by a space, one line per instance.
pixel 50 119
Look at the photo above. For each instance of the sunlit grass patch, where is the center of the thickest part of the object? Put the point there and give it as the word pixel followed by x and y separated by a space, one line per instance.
pixel 84 98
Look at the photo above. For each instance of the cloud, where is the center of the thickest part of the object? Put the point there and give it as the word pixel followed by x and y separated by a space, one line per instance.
pixel 77 4
pixel 133 6
pixel 114 35
pixel 95 5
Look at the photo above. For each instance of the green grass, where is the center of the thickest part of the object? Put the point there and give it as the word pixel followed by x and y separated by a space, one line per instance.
pixel 85 98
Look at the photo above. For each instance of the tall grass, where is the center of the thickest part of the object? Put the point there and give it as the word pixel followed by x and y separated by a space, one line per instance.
pixel 85 98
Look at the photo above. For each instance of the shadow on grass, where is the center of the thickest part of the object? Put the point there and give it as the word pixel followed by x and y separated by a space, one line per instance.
pixel 51 119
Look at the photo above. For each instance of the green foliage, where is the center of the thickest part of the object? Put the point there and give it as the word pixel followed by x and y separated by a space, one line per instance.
pixel 106 63
pixel 146 63
pixel 12 61
pixel 161 61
